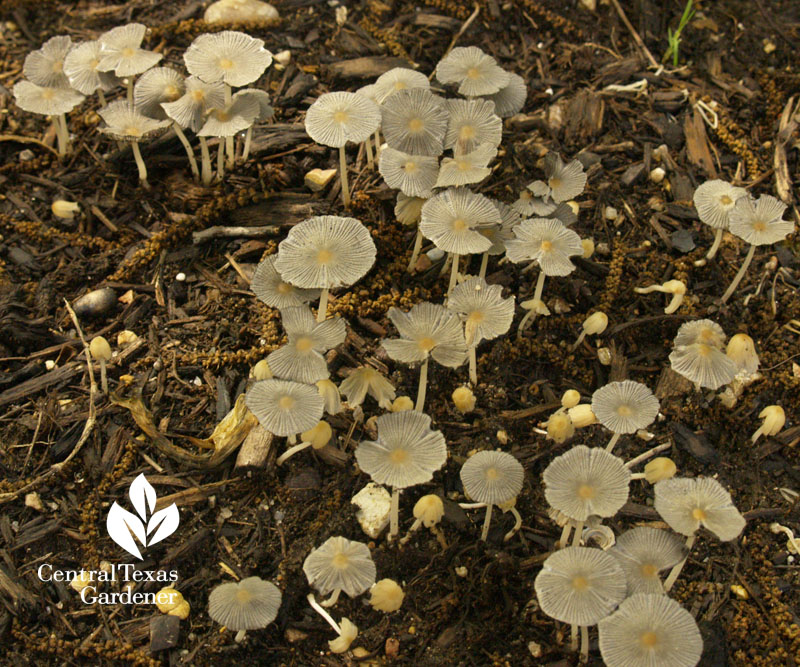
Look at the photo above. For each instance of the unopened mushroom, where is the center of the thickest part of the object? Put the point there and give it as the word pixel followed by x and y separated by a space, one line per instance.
pixel 64 209
pixel 463 399
pixel 415 121
pixel 101 350
pixel 330 396
pixel 714 201
pixel 560 427
pixel 262 371
pixel 676 288
pixel 428 512
pixel 644 552
pixel 250 604
pixel 475 72
pixel 472 123
pixel 581 415
pixel 742 350
pixel 340 565
pixel 285 408
pixel 774 418
pixel 657 470
pixel 347 631
pixel 121 53
pixel 366 380
pixel 317 438
pixel 268 285
pixel 593 325
pixel 48 101
pixel 413 175
pixel 624 407
pixel 386 595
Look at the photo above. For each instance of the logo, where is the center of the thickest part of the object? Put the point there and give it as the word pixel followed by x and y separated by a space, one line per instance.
pixel 149 527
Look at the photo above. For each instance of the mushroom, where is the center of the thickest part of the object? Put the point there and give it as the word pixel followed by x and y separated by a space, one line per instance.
pixel 687 503
pixel 64 209
pixel 125 123
pixel 408 211
pixel 485 313
pixel 676 288
pixel 262 371
pixel 467 168
pixel 45 66
pixel 397 79
pixel 774 418
pixel 413 175
pixel 500 234
pixel 80 66
pixel 660 468
pixel 301 358
pixel 593 325
pixel 366 380
pixel 565 180
pixel 402 404
pixel 427 330
pixel 560 427
pixel 759 222
pixel 581 415
pixel 250 604
pixel 414 121
pixel 347 631
pixel 269 287
pixel 386 595
pixel 472 123
pixel 340 565
pixel 285 408
pixel 509 100
pixel 707 332
pixel 714 201
pixel 339 117
pixel 742 350
pixel 644 552
pixel 463 399
pixel 121 52
pixel 371 93
pixel 705 365
pixel 225 122
pixel 265 112
pixel 650 630
pixel 46 101
pixel 330 396
pixel 475 72
pixel 101 350
pixel 492 478
pixel 406 453
pixel 323 252
pixel 624 407
pixel 317 438
pixel 428 512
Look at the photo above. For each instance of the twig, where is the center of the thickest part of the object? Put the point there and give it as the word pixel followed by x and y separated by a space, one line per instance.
pixel 639 42
pixel 461 31
pixel 220 232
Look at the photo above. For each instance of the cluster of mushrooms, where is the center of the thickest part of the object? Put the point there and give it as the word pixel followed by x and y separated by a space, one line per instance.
pixel 60 75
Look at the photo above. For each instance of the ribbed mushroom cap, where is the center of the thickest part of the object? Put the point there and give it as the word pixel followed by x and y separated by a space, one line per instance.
pixel 121 52
pixel 80 66
pixel 261 97
pixel 451 220
pixel 500 234
pixel 579 585
pixel 268 285
pixel 624 407
pixel 127 124
pixel 758 221
pixel 644 552
pixel 340 564
pixel 651 630
pixel 284 407
pixel 156 86
pixel 475 72
pixel 565 180
pixel 406 453
pixel 366 380
pixel 301 358
pixel 707 332
pixel 190 110
pixel 482 308
pixel 325 251
pixel 510 99
pixel 250 604
pixel 397 79
pixel 45 66
pixel 427 329
pixel 369 91
pixel 414 121
pixel 492 477
pixel 414 175
pixel 584 481
pixel 705 365
pixel 714 200
pixel 546 241
pixel 45 101
pixel 564 213
pixel 339 117
pixel 467 168
pixel 408 210
pixel 686 503
pixel 472 122
pixel 226 121
pixel 229 56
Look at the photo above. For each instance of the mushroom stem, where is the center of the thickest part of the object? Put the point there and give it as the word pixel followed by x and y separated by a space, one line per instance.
pixel 129 86
pixel 239 638
pixel 612 442
pixel 229 140
pixel 738 277
pixel 573 638
pixel 584 644
pixel 206 160
pixel 565 533
pixel 102 97
pixel 322 311
pixel 189 152
pixel 414 526
pixel 394 514
pixel 315 605
pixel 221 160
pixel 453 273
pixel 579 341
pixel 368 148
pixel 423 385
pixel 291 452
pixel 292 439
pixel 333 599
pixel 473 366
pixel 343 175
pixel 675 571
pixel 537 296
pixel 62 134
pixel 484 264
pixel 415 252
pixel 377 143
pixel 646 455
pixel 712 251
pixel 137 155
pixel 576 539
pixel 248 139
pixel 517 524
pixel 103 377
pixel 486 521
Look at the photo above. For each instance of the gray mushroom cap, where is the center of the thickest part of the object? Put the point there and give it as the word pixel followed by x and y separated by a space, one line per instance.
pixel 397 79
pixel 705 365
pixel 191 108
pixel 121 52
pixel 45 66
pixel 428 329
pixel 472 123
pixel 45 101
pixel 250 604
pixel 230 56
pixel 340 564
pixel 125 123
pixel 509 100
pixel 227 121
pixel 268 285
pixel 414 175
pixel 156 86
pixel 703 331
pixel 414 121
pixel 548 242
pixel 338 117
pixel 759 221
pixel 475 72
pixel 644 552
pixel 80 66
pixel 452 218
pixel 714 201
pixel 625 407
pixel 686 503
pixel 284 407
pixel 482 308
pixel 492 477
pixel 466 168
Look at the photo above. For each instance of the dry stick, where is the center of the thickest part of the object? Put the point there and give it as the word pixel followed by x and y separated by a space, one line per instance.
pixel 639 42
pixel 343 175
pixel 712 251
pixel 738 277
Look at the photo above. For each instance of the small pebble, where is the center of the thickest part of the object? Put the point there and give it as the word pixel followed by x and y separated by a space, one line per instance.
pixel 95 303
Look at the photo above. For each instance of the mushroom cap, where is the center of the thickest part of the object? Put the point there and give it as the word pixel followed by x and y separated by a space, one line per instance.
pixel 650 630
pixel 326 251
pixel 406 453
pixel 624 407
pixel 284 407
pixel 45 101
pixel 227 121
pixel 500 235
pixel 644 552
pixel 707 332
pixel 338 117
pixel 484 311
pixel 475 72
pixel 686 503
pixel 397 79
pixel 414 121
pixel 250 604
pixel 429 509
pixel 492 477
pixel 758 221
pixel 472 122
pixel 121 52
pixel 270 288
pixel 741 348
pixel 366 380
pixel 45 66
pixel 386 595
pixel 413 175
pixel 340 564
pixel 584 482
pixel 714 201
pixel 126 123
pixel 427 329
pixel 191 108
pixel 156 86
pixel 80 66
pixel 369 91
pixel 347 636
pixel 451 220
pixel 330 396
pixel 705 365
pixel 563 212
pixel 408 210
pixel 579 585
pixel 509 100
pixel 229 56
pixel 466 168
pixel 301 358
pixel 565 180
pixel 548 242
pixel 261 97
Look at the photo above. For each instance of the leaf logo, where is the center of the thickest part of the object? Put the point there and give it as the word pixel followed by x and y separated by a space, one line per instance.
pixel 149 527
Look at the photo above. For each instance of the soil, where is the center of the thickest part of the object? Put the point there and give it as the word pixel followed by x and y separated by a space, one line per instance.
pixel 470 603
